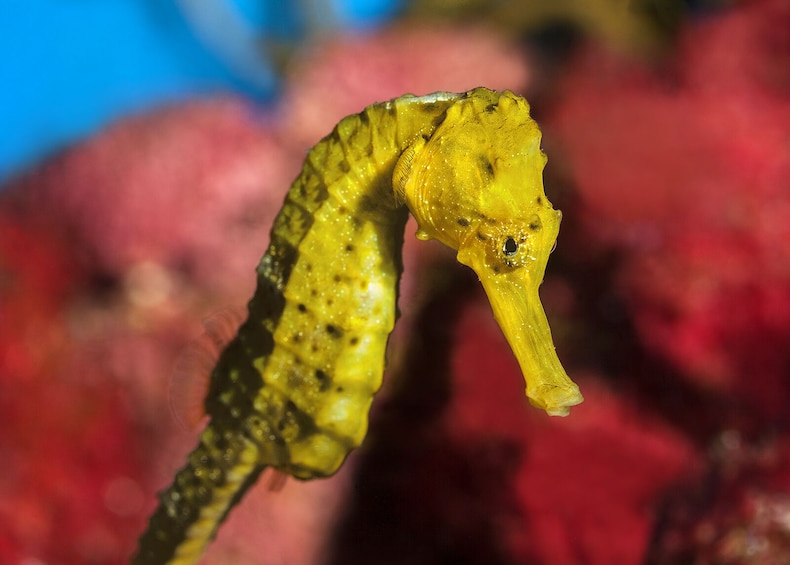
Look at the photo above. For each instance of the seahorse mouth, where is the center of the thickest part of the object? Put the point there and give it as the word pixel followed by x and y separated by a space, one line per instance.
pixel 519 312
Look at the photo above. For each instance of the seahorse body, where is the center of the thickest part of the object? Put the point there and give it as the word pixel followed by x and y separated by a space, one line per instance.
pixel 292 391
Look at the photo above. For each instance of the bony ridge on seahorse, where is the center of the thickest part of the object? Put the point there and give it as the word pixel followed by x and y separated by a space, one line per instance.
pixel 293 389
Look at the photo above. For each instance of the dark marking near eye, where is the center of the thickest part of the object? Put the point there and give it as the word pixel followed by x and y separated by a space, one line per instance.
pixel 510 247
pixel 342 210
pixel 337 278
pixel 349 248
pixel 481 237
pixel 296 338
pixel 354 340
pixel 534 226
pixel 462 222
pixel 491 108
pixel 488 167
pixel 539 201
pixel 364 118
pixel 344 166
pixel 302 308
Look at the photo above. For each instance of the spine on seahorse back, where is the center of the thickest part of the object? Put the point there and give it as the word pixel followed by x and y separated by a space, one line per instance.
pixel 293 389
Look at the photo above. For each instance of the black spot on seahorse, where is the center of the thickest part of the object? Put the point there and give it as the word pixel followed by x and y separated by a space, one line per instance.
pixel 324 382
pixel 487 166
pixel 334 331
pixel 303 421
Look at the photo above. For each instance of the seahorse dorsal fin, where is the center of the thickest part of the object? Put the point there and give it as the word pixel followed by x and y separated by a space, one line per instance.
pixel 189 381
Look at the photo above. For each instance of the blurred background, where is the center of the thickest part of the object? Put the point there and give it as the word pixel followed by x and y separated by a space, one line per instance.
pixel 145 148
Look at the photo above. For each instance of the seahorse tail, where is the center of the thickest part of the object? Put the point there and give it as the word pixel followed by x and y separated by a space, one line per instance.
pixel 217 474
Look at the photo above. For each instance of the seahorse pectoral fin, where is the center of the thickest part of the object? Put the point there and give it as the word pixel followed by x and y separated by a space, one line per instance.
pixel 519 312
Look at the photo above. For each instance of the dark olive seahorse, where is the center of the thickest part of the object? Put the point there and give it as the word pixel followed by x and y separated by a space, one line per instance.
pixel 293 389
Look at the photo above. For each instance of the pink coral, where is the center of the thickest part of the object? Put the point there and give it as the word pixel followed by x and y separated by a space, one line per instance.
pixel 178 188
pixel 341 75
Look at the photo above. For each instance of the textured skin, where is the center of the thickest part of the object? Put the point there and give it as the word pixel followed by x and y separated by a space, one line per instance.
pixel 292 391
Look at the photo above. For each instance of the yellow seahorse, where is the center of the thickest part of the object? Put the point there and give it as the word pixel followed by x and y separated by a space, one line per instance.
pixel 293 389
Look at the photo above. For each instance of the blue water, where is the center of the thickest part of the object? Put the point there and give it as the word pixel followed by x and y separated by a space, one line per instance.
pixel 69 66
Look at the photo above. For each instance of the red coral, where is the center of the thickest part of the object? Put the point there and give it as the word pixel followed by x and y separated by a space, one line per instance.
pixel 737 511
pixel 589 483
pixel 686 173
pixel 68 492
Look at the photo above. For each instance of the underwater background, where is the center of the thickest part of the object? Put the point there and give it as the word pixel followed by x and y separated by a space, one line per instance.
pixel 145 148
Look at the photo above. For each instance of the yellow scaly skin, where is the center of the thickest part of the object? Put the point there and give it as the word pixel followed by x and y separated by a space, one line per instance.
pixel 292 391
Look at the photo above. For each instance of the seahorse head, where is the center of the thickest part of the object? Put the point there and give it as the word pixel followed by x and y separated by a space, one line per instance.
pixel 476 185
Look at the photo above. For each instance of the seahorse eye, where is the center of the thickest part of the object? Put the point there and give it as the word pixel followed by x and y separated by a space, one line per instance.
pixel 510 247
